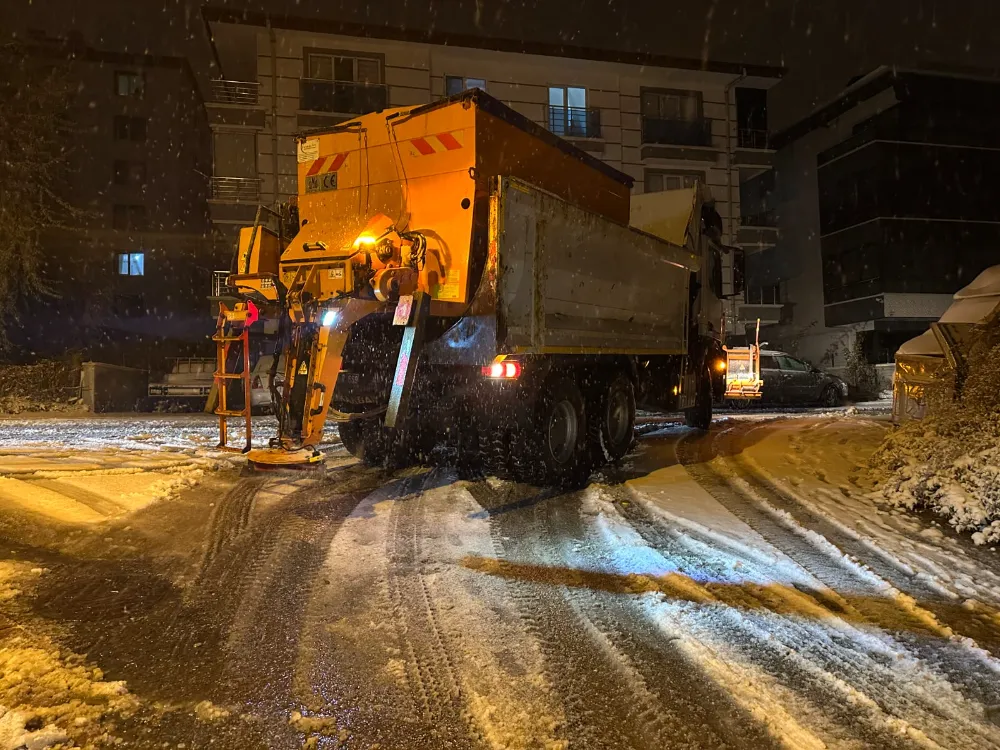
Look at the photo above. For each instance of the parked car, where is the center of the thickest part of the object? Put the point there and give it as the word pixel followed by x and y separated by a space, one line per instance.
pixel 260 396
pixel 789 380
pixel 186 385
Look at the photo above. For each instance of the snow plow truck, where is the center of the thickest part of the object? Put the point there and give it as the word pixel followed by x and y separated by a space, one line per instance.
pixel 453 274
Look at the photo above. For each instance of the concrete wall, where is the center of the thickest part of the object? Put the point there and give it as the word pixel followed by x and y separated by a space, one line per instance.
pixel 110 388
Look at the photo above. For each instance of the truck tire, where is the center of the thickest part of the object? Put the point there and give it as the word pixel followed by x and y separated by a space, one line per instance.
pixel 699 416
pixel 560 440
pixel 365 439
pixel 612 419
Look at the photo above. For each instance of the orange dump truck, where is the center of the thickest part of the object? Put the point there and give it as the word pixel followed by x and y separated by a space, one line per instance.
pixel 456 278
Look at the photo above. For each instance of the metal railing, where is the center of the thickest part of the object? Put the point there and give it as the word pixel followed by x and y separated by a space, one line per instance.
pixel 677 132
pixel 238 189
pixel 235 92
pixel 746 138
pixel 348 97
pixel 220 284
pixel 575 122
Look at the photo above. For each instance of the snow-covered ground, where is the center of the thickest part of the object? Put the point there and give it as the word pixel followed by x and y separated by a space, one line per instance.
pixel 740 588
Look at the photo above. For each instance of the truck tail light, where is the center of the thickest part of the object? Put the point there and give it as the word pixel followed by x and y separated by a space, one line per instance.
pixel 505 370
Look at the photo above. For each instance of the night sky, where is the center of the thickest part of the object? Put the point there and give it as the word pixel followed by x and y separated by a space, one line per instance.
pixel 822 44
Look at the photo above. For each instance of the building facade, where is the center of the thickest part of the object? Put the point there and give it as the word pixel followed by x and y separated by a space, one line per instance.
pixel 666 122
pixel 131 274
pixel 886 206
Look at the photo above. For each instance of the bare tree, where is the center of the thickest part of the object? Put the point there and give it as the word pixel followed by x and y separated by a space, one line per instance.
pixel 35 138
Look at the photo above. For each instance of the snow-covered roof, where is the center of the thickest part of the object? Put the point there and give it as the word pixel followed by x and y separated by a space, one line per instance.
pixel 970 310
pixel 986 284
pixel 924 345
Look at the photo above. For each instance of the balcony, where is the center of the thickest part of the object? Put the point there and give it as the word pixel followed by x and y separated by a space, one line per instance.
pixel 755 139
pixel 237 93
pixel 575 122
pixel 677 132
pixel 235 189
pixel 342 97
pixel 220 284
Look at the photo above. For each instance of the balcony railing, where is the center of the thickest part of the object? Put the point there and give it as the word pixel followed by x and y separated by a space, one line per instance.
pixel 575 122
pixel 677 132
pixel 238 189
pixel 220 285
pixel 753 139
pixel 244 93
pixel 346 97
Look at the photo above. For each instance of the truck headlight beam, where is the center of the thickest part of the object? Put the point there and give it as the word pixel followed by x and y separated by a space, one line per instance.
pixel 330 317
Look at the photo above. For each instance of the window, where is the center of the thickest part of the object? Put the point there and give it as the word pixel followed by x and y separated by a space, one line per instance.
pixel 130 128
pixel 767 362
pixel 235 154
pixel 328 66
pixel 131 264
pixel 792 364
pixel 130 173
pixel 457 84
pixel 658 180
pixel 769 294
pixel 672 105
pixel 568 114
pixel 129 217
pixel 129 84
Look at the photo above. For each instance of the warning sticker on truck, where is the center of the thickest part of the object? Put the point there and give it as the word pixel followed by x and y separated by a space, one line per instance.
pixel 308 150
pixel 321 182
pixel 451 287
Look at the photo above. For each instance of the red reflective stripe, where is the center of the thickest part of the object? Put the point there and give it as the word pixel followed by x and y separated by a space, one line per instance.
pixel 317 166
pixel 338 162
pixel 449 141
pixel 422 146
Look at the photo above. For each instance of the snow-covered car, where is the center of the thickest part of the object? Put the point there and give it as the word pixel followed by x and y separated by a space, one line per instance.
pixel 189 381
pixel 789 380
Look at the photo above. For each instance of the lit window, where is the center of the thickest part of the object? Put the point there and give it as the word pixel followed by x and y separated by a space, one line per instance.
pixel 131 264
pixel 568 112
pixel 129 84
pixel 457 84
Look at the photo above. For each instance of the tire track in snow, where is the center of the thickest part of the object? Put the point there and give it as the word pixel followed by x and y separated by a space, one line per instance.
pixel 831 709
pixel 431 671
pixel 622 683
pixel 976 642
pixel 913 629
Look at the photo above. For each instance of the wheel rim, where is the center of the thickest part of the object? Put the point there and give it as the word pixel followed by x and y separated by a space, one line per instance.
pixel 618 416
pixel 563 432
pixel 831 397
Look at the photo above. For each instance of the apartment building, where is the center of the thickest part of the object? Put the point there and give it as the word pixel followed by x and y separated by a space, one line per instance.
pixel 667 122
pixel 130 276
pixel 886 198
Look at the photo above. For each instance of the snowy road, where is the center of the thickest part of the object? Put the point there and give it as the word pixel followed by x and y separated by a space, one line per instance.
pixel 724 590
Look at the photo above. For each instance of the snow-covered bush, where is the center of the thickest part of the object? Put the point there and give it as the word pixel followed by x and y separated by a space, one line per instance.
pixel 48 385
pixel 949 462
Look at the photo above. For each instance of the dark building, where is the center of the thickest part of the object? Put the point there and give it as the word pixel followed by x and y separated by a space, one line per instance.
pixel 131 277
pixel 888 201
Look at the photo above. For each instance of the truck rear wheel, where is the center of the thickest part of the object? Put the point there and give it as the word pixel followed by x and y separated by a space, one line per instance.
pixel 560 434
pixel 364 439
pixel 699 416
pixel 612 419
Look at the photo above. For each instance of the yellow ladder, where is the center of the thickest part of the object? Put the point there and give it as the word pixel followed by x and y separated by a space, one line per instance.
pixel 233 328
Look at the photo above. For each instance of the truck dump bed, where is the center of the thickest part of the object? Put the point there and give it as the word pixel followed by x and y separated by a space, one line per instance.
pixel 427 170
pixel 571 281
